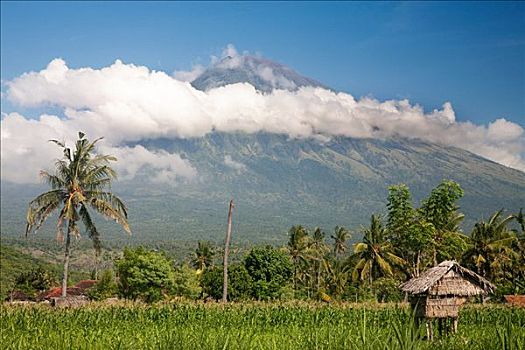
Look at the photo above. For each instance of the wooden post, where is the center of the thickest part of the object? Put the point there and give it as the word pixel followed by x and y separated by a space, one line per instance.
pixel 226 252
pixel 430 333
pixel 455 325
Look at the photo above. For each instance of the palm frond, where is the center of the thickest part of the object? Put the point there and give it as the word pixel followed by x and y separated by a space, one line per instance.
pixel 90 227
pixel 107 210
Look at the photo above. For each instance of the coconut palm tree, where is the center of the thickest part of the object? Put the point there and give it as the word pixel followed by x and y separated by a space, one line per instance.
pixel 318 250
pixel 340 236
pixel 203 256
pixel 374 255
pixel 297 245
pixel 80 181
pixel 490 241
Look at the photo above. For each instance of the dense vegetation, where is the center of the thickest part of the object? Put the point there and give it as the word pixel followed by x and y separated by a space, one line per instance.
pixel 15 265
pixel 251 326
pixel 392 249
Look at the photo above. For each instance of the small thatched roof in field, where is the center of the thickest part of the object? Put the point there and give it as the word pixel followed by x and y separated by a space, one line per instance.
pixel 452 270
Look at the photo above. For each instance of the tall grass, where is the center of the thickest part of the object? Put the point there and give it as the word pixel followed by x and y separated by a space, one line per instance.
pixel 250 326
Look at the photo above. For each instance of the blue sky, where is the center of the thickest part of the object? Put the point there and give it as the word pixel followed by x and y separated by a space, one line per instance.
pixel 471 54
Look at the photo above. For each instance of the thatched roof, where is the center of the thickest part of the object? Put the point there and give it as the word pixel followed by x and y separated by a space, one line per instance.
pixel 434 275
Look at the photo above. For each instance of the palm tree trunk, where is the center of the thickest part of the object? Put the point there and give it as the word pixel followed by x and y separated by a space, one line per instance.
pixel 318 276
pixel 226 252
pixel 66 260
pixel 294 277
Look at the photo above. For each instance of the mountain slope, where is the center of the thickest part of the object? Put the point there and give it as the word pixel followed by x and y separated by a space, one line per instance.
pixel 263 74
pixel 278 182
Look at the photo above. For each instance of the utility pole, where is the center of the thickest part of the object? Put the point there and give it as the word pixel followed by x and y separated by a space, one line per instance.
pixel 226 252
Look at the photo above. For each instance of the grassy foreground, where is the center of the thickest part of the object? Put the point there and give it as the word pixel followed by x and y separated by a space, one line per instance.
pixel 250 326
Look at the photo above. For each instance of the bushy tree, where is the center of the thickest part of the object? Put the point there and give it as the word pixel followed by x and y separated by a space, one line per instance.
pixel 409 233
pixel 269 269
pixel 187 283
pixel 106 287
pixel 239 282
pixel 441 210
pixel 145 274
pixel 34 281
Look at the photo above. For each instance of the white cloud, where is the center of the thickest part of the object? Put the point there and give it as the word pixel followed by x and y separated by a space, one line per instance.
pixel 161 166
pixel 126 103
pixel 239 167
pixel 191 75
pixel 26 150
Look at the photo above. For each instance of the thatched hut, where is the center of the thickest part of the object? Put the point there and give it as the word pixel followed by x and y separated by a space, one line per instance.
pixel 439 292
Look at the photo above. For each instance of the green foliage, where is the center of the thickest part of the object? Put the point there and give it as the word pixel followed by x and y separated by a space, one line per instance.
pixel 105 288
pixel 272 326
pixel 438 208
pixel 34 281
pixel 187 283
pixel 490 245
pixel 386 289
pixel 203 255
pixel 340 236
pixel 239 282
pixel 375 253
pixel 270 270
pixel 144 274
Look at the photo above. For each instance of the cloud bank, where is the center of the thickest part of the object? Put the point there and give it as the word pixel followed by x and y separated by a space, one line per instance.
pixel 126 103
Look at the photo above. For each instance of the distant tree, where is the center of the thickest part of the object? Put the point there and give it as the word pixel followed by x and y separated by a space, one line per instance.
pixel 409 234
pixel 386 289
pixel 337 273
pixel 187 282
pixel 517 270
pixel 34 281
pixel 375 256
pixel 81 180
pixel 106 287
pixel 203 256
pixel 298 242
pixel 145 274
pixel 340 236
pixel 239 282
pixel 270 271
pixel 490 244
pixel 440 209
pixel 520 219
pixel 318 249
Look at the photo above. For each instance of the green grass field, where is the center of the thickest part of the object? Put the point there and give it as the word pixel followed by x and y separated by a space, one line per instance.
pixel 250 326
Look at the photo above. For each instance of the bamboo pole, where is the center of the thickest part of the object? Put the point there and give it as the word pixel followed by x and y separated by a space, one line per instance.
pixel 226 252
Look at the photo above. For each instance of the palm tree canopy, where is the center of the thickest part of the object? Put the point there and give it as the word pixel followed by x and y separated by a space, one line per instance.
pixel 81 180
pixel 488 239
pixel 340 237
pixel 375 253
pixel 203 256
